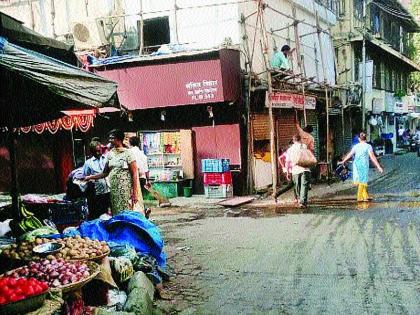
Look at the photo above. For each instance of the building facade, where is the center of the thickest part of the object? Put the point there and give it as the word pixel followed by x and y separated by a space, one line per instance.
pixel 387 28
pixel 155 31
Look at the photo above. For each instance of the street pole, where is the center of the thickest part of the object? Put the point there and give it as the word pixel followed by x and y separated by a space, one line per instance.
pixel 364 68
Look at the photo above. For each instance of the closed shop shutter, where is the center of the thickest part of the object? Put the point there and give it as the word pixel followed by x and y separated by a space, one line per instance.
pixel 312 119
pixel 261 126
pixel 285 127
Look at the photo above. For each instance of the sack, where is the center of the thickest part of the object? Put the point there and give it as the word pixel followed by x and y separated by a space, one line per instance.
pixel 305 158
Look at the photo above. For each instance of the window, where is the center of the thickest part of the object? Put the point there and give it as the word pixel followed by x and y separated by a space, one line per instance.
pixel 358 9
pixel 377 74
pixel 156 32
pixel 341 7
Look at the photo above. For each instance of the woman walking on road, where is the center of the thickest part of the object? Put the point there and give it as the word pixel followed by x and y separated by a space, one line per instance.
pixel 362 152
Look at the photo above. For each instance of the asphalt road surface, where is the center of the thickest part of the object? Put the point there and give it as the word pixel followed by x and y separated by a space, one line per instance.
pixel 337 258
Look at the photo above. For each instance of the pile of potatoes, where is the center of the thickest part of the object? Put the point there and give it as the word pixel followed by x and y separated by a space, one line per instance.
pixel 75 248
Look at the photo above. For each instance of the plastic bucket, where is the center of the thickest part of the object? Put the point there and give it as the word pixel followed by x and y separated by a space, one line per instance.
pixel 187 192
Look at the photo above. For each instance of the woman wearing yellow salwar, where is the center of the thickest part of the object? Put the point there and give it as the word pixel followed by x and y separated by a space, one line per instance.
pixel 362 152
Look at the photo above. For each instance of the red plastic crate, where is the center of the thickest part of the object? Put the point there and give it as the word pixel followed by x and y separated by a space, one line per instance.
pixel 217 178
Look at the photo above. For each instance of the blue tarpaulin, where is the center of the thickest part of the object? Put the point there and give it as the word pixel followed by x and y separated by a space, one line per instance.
pixel 128 227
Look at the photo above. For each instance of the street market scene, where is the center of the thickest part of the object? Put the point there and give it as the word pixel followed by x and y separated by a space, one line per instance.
pixel 209 157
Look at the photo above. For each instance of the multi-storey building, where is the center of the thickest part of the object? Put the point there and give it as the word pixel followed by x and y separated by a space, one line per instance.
pixel 161 34
pixel 387 28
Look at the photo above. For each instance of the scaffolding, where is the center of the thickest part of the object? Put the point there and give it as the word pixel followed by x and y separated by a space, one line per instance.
pixel 281 78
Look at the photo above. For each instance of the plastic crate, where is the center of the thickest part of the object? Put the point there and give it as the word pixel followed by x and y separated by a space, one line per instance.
pixel 215 165
pixel 218 191
pixel 69 213
pixel 217 178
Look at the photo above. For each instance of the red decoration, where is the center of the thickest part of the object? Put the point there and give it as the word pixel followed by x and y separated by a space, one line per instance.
pixel 82 122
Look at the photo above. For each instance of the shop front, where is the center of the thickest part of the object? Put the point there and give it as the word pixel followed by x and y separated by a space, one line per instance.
pixel 284 113
pixel 185 108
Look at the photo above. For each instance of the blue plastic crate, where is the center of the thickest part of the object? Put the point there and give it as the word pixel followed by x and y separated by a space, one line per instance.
pixel 215 165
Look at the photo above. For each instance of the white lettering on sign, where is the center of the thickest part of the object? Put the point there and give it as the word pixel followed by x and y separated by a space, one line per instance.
pixel 202 90
pixel 288 100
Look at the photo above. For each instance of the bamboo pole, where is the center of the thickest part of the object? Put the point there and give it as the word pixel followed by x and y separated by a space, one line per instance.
pixel 141 30
pixel 53 18
pixel 299 61
pixel 324 72
pixel 264 42
pixel 176 21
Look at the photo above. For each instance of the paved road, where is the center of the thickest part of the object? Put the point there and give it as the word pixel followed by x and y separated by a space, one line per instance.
pixel 336 259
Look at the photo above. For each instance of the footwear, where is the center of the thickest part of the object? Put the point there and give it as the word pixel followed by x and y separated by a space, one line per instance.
pixel 147 213
pixel 302 206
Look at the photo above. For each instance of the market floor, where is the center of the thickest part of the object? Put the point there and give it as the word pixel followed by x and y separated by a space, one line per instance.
pixel 337 258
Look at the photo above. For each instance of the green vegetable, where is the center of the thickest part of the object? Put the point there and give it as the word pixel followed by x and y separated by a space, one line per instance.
pixel 32 235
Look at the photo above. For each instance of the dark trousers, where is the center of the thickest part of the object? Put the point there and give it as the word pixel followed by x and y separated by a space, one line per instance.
pixel 301 182
pixel 98 205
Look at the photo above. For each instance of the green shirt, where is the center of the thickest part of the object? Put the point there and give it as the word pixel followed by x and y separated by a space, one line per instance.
pixel 280 61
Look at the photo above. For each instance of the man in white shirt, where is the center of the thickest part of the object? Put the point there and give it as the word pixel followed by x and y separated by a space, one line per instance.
pixel 141 160
pixel 300 175
pixel 99 200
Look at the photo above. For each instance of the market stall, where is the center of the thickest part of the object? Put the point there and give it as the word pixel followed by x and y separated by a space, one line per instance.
pixel 85 270
pixel 170 160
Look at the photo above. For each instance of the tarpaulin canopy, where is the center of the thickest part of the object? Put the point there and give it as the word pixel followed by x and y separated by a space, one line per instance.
pixel 16 33
pixel 36 88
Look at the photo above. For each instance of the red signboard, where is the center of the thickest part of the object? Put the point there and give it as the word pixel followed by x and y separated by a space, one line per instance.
pixel 173 84
pixel 289 100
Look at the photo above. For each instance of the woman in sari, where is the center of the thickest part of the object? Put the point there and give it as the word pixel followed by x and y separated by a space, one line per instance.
pixel 123 175
pixel 362 153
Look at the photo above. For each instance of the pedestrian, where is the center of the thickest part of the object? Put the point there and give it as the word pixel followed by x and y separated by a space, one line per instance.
pixel 98 195
pixel 121 167
pixel 362 152
pixel 142 165
pixel 300 175
pixel 280 59
pixel 305 136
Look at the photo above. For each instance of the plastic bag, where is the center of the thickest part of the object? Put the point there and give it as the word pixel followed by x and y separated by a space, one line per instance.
pixel 117 299
pixel 122 268
pixel 125 250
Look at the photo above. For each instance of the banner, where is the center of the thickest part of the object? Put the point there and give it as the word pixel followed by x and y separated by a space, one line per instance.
pixel 289 100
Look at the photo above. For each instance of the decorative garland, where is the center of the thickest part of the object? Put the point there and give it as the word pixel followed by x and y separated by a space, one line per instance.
pixel 82 122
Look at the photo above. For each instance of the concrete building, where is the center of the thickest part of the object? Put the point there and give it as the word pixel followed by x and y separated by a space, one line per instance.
pixel 387 29
pixel 157 31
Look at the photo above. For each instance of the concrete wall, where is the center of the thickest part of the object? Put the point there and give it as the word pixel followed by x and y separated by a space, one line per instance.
pixel 199 23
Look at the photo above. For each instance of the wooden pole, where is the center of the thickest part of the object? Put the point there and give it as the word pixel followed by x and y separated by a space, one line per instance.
pixel 176 21
pixel 141 30
pixel 324 72
pixel 299 60
pixel 53 18
pixel 264 42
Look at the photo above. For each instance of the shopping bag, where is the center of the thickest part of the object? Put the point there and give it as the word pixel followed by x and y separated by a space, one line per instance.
pixel 305 158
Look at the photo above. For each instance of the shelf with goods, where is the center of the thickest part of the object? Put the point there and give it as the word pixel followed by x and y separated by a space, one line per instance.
pixel 170 160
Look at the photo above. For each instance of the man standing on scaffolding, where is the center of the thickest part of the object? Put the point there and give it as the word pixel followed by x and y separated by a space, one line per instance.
pixel 280 58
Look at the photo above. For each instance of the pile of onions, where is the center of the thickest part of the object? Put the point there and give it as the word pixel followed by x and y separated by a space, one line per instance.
pixel 56 272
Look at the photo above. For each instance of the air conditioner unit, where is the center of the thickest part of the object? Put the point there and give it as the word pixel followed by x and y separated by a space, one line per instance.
pixel 88 34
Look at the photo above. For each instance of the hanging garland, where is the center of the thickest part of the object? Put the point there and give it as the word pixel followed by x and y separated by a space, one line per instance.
pixel 81 122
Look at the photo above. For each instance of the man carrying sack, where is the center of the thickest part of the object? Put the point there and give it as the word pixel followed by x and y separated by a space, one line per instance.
pixel 302 159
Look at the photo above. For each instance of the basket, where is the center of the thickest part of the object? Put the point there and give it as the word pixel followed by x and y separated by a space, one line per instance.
pixel 218 191
pixel 94 270
pixel 217 178
pixel 27 305
pixel 67 213
pixel 215 165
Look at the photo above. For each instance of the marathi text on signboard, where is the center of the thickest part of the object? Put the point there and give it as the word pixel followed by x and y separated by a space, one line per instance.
pixel 290 100
pixel 202 91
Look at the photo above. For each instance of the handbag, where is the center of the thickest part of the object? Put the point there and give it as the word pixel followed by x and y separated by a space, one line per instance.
pixel 306 158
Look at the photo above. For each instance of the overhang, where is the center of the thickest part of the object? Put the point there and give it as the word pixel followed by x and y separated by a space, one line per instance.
pixel 165 82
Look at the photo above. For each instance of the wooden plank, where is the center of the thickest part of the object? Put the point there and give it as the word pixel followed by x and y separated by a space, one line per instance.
pixel 236 201
pixel 187 153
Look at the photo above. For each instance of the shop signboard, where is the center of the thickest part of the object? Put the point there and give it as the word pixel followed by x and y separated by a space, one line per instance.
pixel 399 106
pixel 289 100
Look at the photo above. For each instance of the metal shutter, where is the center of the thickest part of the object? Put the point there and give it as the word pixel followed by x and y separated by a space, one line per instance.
pixel 285 127
pixel 261 126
